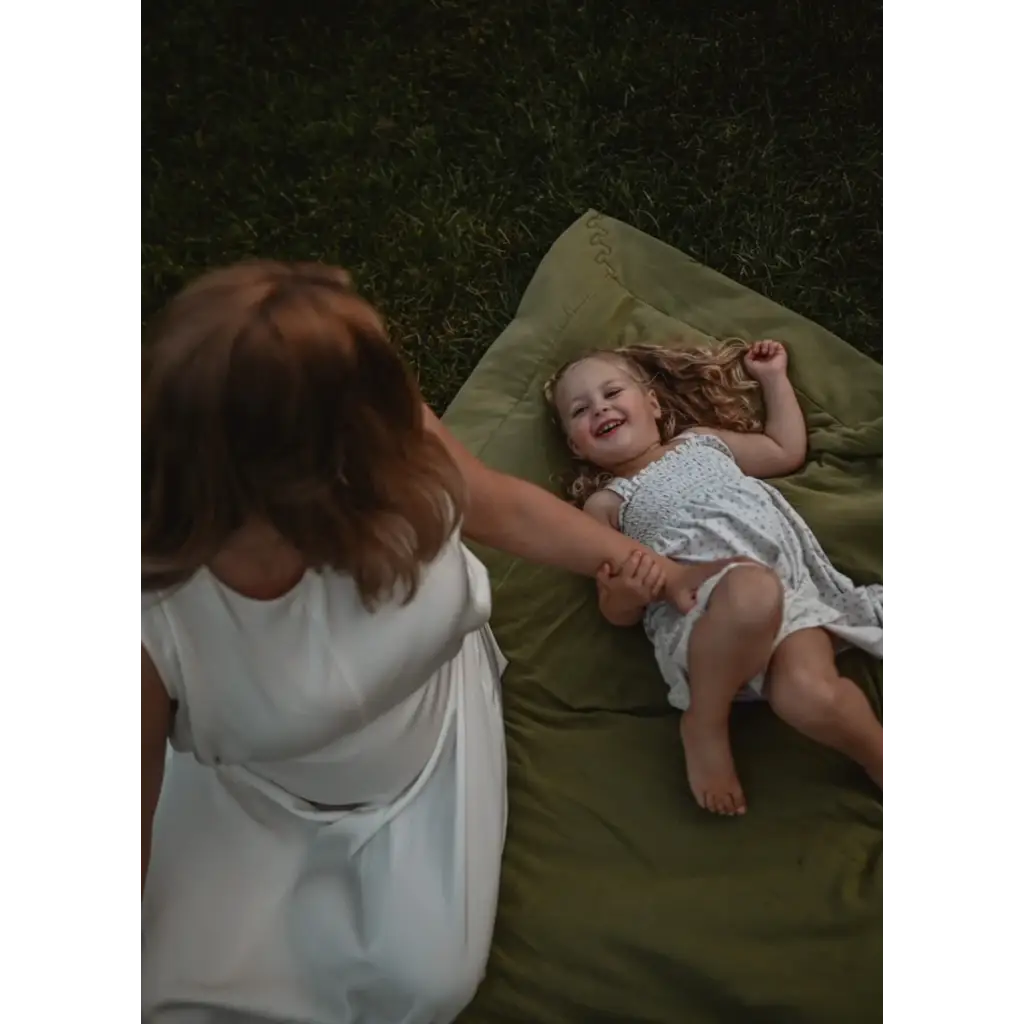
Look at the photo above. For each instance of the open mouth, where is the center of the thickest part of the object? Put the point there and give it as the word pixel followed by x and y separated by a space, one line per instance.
pixel 608 428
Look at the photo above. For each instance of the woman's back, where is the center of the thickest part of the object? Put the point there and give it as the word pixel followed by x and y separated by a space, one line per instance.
pixel 318 742
pixel 334 703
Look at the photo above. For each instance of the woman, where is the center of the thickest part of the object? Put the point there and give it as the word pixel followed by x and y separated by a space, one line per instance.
pixel 323 843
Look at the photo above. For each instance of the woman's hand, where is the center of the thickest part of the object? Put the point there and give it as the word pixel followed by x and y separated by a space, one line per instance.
pixel 640 581
pixel 766 359
pixel 623 595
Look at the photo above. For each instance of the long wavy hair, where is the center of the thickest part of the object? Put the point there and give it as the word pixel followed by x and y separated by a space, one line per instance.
pixel 270 392
pixel 704 386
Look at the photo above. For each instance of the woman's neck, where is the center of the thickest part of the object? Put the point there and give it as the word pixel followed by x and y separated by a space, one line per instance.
pixel 258 563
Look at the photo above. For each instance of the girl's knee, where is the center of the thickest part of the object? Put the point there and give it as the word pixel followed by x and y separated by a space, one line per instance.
pixel 749 595
pixel 805 694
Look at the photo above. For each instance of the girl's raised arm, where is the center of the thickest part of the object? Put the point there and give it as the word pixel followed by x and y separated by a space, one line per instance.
pixel 782 447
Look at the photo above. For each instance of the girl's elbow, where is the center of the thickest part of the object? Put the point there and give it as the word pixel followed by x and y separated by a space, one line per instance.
pixel 794 460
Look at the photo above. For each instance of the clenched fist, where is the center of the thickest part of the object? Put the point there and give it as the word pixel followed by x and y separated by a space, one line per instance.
pixel 766 359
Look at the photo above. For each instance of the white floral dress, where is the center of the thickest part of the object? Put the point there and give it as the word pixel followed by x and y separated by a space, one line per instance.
pixel 694 504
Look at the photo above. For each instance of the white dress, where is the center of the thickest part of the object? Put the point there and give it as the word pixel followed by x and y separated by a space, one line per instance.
pixel 328 840
pixel 694 504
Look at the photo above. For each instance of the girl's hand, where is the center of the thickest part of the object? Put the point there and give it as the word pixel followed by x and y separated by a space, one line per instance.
pixel 683 581
pixel 639 582
pixel 766 359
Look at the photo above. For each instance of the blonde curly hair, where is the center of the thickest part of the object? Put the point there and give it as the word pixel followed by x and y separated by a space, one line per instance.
pixel 704 386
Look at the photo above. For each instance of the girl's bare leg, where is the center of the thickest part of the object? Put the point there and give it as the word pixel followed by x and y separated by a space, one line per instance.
pixel 730 645
pixel 806 690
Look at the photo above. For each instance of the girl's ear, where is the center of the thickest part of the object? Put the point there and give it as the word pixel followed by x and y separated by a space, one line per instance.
pixel 574 448
pixel 652 400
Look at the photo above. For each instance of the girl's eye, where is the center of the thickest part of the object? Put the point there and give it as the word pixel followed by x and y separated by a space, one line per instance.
pixel 611 393
pixel 575 413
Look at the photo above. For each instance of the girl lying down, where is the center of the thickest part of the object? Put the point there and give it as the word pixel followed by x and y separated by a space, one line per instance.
pixel 671 453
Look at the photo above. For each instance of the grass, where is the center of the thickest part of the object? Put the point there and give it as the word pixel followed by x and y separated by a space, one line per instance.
pixel 436 148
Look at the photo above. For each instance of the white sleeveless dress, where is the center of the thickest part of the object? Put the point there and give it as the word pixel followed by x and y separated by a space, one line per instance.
pixel 695 504
pixel 328 840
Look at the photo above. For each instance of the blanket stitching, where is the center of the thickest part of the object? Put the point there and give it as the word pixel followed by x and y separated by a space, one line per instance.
pixel 598 234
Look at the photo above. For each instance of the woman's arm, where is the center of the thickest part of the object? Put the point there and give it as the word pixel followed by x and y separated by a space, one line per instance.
pixel 522 519
pixel 156 726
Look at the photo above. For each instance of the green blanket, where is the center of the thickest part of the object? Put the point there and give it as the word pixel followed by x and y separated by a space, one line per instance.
pixel 620 899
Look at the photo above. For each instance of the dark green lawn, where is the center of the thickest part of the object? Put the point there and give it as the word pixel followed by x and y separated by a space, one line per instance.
pixel 437 148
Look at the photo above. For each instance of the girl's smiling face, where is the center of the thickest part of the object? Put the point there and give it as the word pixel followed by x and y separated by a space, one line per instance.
pixel 609 417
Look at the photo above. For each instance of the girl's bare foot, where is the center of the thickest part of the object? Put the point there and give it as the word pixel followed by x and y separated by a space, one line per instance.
pixel 710 768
